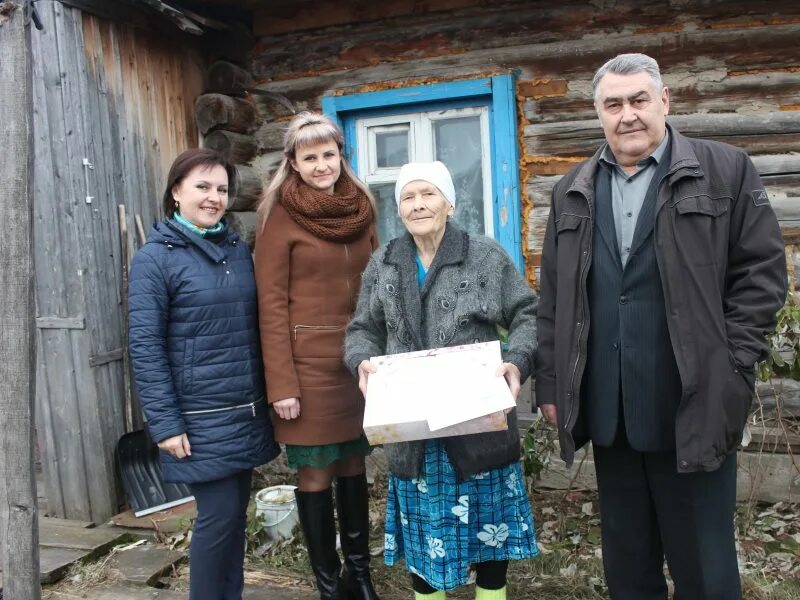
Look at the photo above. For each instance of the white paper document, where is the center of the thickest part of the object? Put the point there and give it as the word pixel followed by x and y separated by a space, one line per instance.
pixel 436 393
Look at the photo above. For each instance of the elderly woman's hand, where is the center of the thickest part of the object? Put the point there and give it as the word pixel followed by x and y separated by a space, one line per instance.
pixel 177 446
pixel 288 408
pixel 512 375
pixel 364 369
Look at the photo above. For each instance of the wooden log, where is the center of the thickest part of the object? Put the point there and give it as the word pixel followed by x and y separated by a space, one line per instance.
pixel 767 477
pixel 773 439
pixel 709 91
pixel 779 393
pixel 776 170
pixel 244 223
pixel 225 77
pixel 248 189
pixel 460 32
pixel 19 550
pixel 235 147
pixel 735 48
pixel 767 133
pixel 270 136
pixel 217 111
pixel 777 165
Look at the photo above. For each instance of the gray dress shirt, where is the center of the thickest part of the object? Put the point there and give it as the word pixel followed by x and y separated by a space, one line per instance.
pixel 628 192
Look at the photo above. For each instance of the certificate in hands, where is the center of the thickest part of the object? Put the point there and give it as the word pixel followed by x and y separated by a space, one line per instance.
pixel 436 393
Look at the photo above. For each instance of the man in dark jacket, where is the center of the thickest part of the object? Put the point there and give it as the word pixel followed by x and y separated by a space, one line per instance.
pixel 662 270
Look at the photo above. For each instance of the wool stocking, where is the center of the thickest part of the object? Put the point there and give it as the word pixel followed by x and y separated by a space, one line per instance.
pixel 482 594
pixel 437 595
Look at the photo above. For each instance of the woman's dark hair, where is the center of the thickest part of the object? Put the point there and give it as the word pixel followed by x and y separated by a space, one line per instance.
pixel 183 165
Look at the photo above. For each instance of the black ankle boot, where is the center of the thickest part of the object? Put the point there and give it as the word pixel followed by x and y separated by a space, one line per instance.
pixel 315 510
pixel 352 506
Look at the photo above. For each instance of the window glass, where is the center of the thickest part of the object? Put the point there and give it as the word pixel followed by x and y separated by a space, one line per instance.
pixel 391 148
pixel 458 137
pixel 457 143
pixel 389 224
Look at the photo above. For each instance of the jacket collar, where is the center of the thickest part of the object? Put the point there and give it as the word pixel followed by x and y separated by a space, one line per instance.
pixel 402 253
pixel 683 162
pixel 170 232
pixel 683 157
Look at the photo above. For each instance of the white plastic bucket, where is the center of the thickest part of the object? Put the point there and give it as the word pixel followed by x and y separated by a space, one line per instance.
pixel 277 507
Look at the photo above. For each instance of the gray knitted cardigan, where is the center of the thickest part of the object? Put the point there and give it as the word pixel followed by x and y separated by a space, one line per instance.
pixel 472 286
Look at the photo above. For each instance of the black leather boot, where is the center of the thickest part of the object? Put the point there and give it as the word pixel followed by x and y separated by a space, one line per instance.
pixel 315 510
pixel 352 506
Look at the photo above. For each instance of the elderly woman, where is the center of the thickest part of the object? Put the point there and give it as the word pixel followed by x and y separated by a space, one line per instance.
pixel 456 501
pixel 197 364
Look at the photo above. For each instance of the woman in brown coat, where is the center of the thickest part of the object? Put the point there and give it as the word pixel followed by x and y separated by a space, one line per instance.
pixel 317 234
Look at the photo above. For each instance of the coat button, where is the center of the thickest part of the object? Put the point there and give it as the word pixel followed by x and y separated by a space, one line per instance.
pixel 615 346
pixel 224 262
pixel 684 464
pixel 623 299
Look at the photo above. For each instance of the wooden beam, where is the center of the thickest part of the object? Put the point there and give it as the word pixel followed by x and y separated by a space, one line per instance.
pixel 217 111
pixel 18 512
pixel 95 360
pixel 235 147
pixel 248 189
pixel 121 12
pixel 225 77
pixel 562 59
pixel 60 323
pixel 283 17
pixel 768 133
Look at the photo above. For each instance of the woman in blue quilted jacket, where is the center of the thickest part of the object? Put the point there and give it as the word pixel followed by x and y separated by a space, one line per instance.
pixel 196 358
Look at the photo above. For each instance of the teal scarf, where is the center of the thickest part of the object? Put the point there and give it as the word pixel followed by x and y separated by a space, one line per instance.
pixel 198 230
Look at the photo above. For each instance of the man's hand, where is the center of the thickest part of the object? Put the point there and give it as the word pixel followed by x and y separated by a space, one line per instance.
pixel 177 446
pixel 550 413
pixel 364 369
pixel 288 409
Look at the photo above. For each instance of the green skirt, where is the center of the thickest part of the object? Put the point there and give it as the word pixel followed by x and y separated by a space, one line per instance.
pixel 320 457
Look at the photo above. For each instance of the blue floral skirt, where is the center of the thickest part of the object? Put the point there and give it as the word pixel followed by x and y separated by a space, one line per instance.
pixel 441 526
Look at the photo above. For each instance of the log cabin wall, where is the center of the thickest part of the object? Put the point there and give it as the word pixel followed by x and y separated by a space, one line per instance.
pixel 733 68
pixel 121 100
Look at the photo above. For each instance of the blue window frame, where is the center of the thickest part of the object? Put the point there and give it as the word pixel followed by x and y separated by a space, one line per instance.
pixel 497 93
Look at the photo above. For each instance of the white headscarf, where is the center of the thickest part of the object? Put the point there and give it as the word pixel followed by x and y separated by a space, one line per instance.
pixel 432 172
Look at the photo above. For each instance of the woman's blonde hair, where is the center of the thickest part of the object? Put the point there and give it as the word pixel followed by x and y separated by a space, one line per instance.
pixel 306 129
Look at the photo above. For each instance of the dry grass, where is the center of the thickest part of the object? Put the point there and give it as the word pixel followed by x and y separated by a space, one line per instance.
pixel 570 565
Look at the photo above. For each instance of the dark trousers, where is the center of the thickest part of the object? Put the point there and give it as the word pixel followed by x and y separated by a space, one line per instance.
pixel 650 512
pixel 216 560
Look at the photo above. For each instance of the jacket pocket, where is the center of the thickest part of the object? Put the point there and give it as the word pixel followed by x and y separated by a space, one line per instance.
pixel 318 341
pixel 568 222
pixel 703 205
pixel 748 375
pixel 188 367
pixel 701 231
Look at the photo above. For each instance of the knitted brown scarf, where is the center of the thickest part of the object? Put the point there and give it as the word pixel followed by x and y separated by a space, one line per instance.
pixel 339 217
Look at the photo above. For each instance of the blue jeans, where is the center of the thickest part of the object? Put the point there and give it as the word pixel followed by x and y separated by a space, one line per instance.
pixel 216 559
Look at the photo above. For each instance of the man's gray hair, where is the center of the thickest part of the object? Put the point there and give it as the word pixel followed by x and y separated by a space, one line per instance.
pixel 629 64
